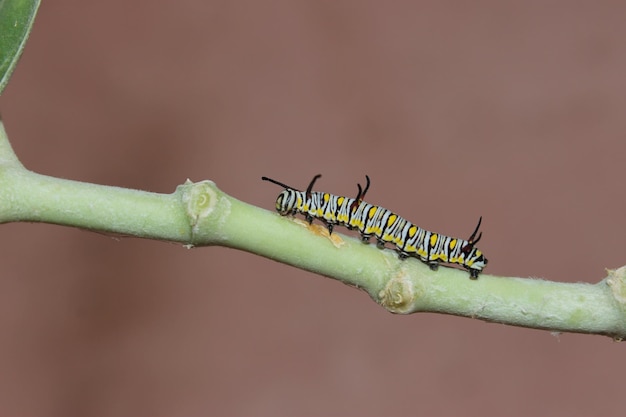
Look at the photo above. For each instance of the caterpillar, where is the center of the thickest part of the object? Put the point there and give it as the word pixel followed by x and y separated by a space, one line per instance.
pixel 386 226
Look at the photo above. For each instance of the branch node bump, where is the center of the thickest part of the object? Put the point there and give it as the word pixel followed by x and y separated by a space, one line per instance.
pixel 617 283
pixel 398 296
pixel 199 199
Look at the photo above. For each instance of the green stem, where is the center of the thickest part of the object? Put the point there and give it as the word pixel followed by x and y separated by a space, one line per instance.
pixel 31 197
pixel 199 214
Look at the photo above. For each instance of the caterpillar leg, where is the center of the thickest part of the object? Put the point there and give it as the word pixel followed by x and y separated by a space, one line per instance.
pixel 474 273
pixel 433 265
pixel 380 244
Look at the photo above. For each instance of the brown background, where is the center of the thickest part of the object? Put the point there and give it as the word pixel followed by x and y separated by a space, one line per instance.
pixel 514 112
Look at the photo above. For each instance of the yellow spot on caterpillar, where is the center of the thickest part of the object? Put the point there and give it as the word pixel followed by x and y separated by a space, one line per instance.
pixel 355 222
pixel 433 239
pixel 371 212
pixel 453 243
pixel 442 257
pixel 392 218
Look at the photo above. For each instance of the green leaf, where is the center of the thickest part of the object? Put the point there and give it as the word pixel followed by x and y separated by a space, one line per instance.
pixel 16 21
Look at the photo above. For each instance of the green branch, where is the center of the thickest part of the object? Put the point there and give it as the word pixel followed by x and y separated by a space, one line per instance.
pixel 199 214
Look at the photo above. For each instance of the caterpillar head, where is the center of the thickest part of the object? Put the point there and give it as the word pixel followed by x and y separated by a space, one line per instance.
pixel 289 200
pixel 286 202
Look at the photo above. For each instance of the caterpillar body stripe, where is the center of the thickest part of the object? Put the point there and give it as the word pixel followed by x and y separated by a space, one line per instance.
pixel 386 226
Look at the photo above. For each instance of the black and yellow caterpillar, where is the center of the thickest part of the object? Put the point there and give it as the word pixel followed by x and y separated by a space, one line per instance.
pixel 386 226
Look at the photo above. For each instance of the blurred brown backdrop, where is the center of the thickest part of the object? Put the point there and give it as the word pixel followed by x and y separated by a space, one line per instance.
pixel 510 111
